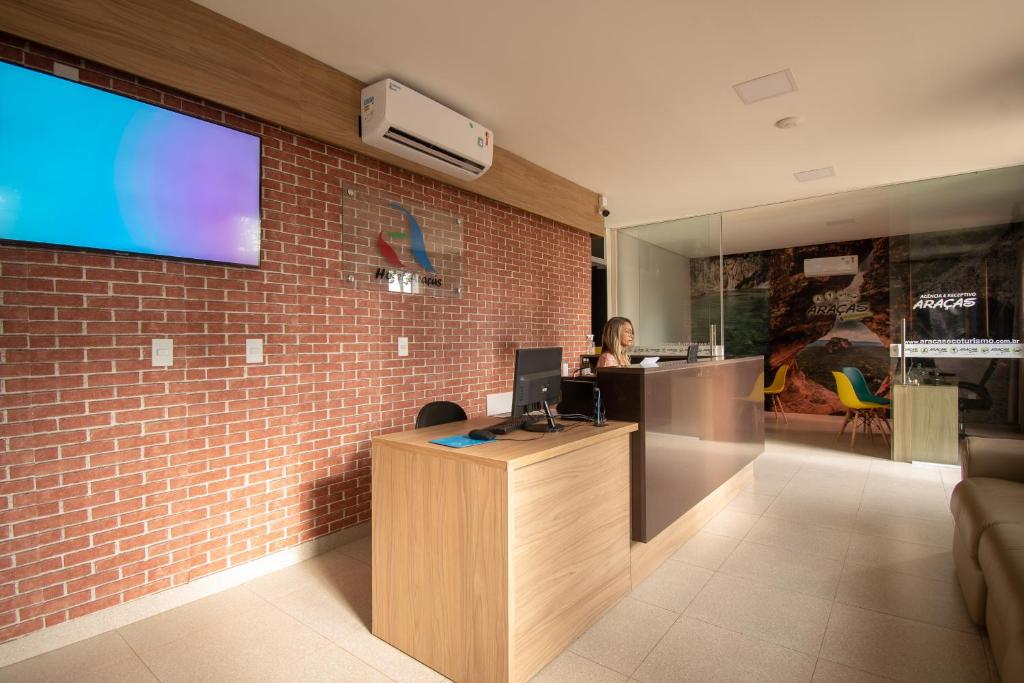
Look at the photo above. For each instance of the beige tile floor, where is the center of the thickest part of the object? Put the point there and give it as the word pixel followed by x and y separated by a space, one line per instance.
pixel 832 566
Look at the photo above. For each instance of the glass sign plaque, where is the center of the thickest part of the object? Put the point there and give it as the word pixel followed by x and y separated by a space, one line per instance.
pixel 394 244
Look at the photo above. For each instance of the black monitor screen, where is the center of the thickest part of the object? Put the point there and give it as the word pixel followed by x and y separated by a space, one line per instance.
pixel 538 378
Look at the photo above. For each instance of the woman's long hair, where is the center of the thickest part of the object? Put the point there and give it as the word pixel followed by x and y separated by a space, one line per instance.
pixel 611 339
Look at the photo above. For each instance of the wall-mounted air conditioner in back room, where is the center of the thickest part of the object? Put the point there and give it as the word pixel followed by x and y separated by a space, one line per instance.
pixel 831 265
pixel 400 120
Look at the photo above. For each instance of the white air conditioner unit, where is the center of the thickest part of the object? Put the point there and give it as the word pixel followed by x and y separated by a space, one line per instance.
pixel 831 265
pixel 400 120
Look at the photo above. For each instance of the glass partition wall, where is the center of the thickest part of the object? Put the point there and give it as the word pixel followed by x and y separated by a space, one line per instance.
pixel 826 283
pixel 956 255
pixel 669 285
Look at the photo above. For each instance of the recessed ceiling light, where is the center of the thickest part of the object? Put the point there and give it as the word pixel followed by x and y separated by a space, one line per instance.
pixel 788 122
pixel 772 85
pixel 815 174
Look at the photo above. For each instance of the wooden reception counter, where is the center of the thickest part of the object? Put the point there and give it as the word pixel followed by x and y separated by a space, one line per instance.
pixel 489 560
pixel 700 425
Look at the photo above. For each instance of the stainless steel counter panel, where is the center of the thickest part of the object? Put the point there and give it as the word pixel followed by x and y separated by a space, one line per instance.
pixel 700 423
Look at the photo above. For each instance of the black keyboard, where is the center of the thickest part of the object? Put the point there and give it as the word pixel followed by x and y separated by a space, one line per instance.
pixel 511 424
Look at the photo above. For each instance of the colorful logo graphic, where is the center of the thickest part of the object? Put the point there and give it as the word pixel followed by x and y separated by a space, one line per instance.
pixel 415 236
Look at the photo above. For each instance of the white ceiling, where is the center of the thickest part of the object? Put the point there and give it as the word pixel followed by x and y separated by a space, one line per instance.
pixel 635 100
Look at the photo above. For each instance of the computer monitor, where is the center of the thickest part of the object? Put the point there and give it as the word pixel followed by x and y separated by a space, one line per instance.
pixel 538 380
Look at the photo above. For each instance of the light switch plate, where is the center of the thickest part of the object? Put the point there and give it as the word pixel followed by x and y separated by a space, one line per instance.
pixel 163 353
pixel 65 71
pixel 253 350
pixel 403 346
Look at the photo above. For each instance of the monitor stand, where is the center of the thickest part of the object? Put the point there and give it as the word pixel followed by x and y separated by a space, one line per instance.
pixel 548 425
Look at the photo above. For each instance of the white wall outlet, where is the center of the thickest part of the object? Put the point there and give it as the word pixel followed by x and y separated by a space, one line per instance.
pixel 403 346
pixel 163 353
pixel 253 350
pixel 499 404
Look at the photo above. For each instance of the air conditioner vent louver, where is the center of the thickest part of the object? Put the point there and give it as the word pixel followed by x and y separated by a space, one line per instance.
pixel 439 153
pixel 405 123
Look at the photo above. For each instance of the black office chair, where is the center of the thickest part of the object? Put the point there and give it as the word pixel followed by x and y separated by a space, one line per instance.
pixel 974 395
pixel 439 413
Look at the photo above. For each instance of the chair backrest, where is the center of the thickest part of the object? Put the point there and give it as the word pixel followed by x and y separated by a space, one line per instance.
pixel 860 384
pixel 780 379
pixel 691 354
pixel 847 396
pixel 757 392
pixel 439 413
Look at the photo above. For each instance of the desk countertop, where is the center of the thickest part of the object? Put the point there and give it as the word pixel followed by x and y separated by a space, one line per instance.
pixel 508 451
pixel 676 365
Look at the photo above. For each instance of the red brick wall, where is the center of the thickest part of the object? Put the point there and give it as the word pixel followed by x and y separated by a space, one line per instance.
pixel 120 479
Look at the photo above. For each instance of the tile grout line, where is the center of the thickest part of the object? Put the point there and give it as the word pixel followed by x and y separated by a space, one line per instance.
pixel 790 484
pixel 137 655
pixel 975 632
pixel 748 635
pixel 856 668
pixel 803 552
pixel 654 647
pixel 172 641
pixel 331 641
pixel 680 615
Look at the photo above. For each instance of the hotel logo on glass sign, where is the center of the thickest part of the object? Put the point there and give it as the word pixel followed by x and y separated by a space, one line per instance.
pixel 400 245
pixel 414 235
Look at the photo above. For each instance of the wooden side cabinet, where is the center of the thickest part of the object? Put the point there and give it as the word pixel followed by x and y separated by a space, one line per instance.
pixel 925 423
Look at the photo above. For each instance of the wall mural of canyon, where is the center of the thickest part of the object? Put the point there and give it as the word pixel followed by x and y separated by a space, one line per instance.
pixel 820 324
pixel 815 325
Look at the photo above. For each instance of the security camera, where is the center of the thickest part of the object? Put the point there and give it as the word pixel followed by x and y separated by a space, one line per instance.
pixel 603 208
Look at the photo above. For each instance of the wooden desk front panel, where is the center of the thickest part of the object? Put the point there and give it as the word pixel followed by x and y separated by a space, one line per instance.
pixel 440 569
pixel 570 540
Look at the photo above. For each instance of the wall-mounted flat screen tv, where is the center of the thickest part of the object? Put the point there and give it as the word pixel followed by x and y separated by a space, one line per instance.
pixel 82 167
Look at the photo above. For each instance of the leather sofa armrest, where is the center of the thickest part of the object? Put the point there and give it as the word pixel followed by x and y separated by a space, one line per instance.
pixel 994 458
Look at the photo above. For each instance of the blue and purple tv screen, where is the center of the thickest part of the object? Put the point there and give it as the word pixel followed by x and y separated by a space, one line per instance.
pixel 85 168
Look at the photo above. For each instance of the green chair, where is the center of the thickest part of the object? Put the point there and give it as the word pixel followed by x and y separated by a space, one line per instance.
pixel 856 409
pixel 860 386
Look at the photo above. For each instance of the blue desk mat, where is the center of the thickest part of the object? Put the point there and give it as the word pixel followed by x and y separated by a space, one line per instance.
pixel 460 441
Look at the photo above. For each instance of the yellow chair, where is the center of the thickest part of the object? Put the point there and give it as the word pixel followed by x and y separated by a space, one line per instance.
pixel 756 394
pixel 868 413
pixel 777 386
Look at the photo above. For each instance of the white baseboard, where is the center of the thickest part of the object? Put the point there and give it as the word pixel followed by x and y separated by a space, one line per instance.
pixel 40 642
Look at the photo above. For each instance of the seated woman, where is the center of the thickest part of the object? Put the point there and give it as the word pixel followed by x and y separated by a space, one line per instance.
pixel 616 338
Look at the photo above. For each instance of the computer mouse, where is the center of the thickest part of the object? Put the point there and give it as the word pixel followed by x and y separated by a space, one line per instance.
pixel 481 435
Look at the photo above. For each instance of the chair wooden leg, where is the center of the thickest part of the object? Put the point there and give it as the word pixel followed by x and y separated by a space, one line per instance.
pixel 853 433
pixel 777 407
pixel 846 421
pixel 881 425
pixel 885 422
